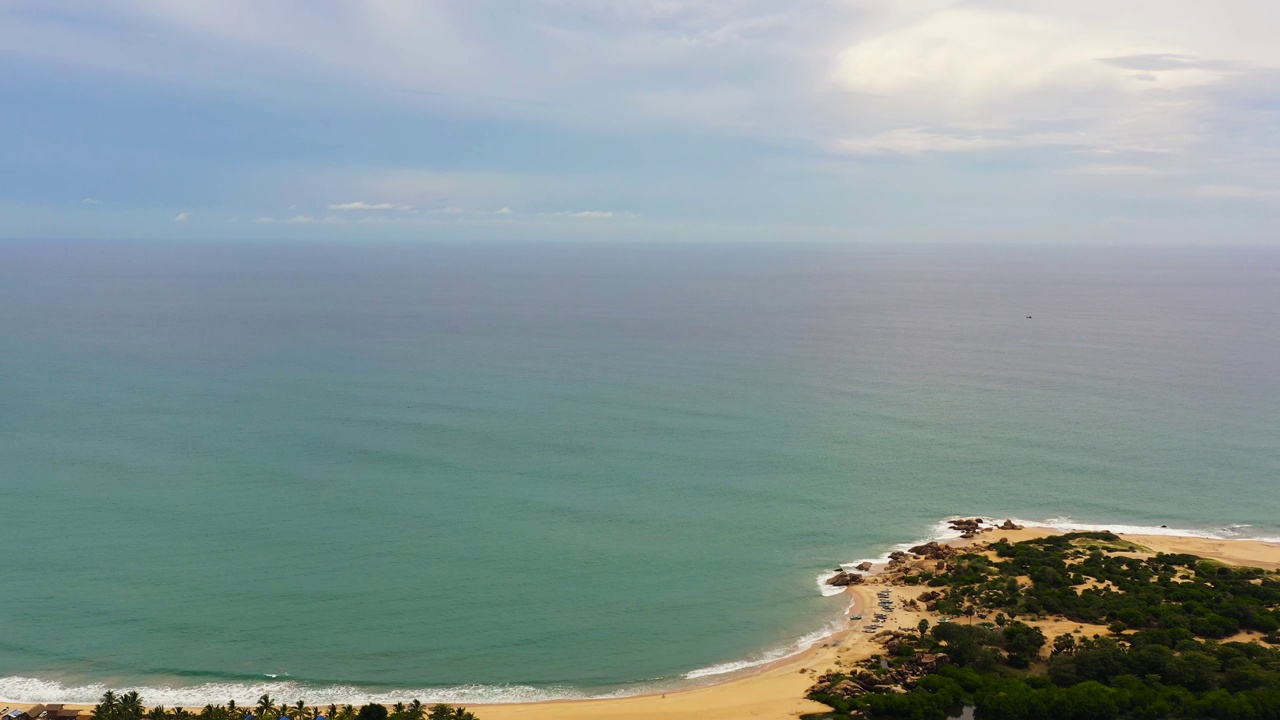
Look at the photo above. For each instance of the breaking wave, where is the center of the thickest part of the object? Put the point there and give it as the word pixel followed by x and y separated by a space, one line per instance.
pixel 36 690
pixel 769 656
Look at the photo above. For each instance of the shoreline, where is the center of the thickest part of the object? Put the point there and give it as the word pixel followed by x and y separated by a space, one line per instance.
pixel 776 689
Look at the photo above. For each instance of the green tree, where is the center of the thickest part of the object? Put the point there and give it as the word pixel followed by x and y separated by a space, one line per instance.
pixel 1023 643
pixel 440 711
pixel 130 707
pixel 372 711
pixel 107 707
pixel 1064 643
pixel 1087 701
pixel 1194 670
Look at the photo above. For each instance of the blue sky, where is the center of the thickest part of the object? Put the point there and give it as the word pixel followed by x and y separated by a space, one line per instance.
pixel 859 120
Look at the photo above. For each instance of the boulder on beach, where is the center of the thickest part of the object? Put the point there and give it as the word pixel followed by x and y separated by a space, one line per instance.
pixel 848 688
pixel 966 524
pixel 1010 525
pixel 934 551
pixel 863 566
pixel 845 579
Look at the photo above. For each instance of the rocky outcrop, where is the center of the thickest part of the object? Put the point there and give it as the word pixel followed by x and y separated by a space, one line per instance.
pixel 848 688
pixel 897 559
pixel 863 566
pixel 862 680
pixel 1010 525
pixel 934 551
pixel 964 525
pixel 930 662
pixel 844 578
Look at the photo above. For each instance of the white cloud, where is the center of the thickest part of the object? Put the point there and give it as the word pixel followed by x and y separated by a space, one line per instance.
pixel 1188 81
pixel 182 217
pixel 300 219
pixel 1036 75
pixel 91 201
pixel 914 141
pixel 446 211
pixel 585 214
pixel 360 205
pixel 264 220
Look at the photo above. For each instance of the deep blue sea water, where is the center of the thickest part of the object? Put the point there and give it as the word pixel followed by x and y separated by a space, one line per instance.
pixel 507 471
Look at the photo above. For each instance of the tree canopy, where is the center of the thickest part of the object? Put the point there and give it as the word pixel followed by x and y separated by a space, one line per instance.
pixel 1168 654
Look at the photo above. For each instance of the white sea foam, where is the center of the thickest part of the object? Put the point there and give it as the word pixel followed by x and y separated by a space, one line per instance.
pixel 1228 532
pixel 824 588
pixel 34 690
pixel 768 656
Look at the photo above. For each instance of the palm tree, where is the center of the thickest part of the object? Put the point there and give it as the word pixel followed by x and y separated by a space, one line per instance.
pixel 157 713
pixel 415 711
pixel 333 711
pixel 106 708
pixel 266 708
pixel 130 707
pixel 300 710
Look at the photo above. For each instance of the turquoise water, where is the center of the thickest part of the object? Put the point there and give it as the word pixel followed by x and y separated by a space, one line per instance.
pixel 524 471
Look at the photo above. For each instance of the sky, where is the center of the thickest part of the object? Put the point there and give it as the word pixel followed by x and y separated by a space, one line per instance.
pixel 1144 121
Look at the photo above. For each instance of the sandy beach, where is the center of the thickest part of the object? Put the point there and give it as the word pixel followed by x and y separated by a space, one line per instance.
pixel 776 691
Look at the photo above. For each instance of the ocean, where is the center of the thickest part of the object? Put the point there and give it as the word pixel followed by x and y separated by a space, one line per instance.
pixel 503 471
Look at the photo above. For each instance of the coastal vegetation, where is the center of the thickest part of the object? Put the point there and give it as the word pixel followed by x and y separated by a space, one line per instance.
pixel 1150 636
pixel 130 706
